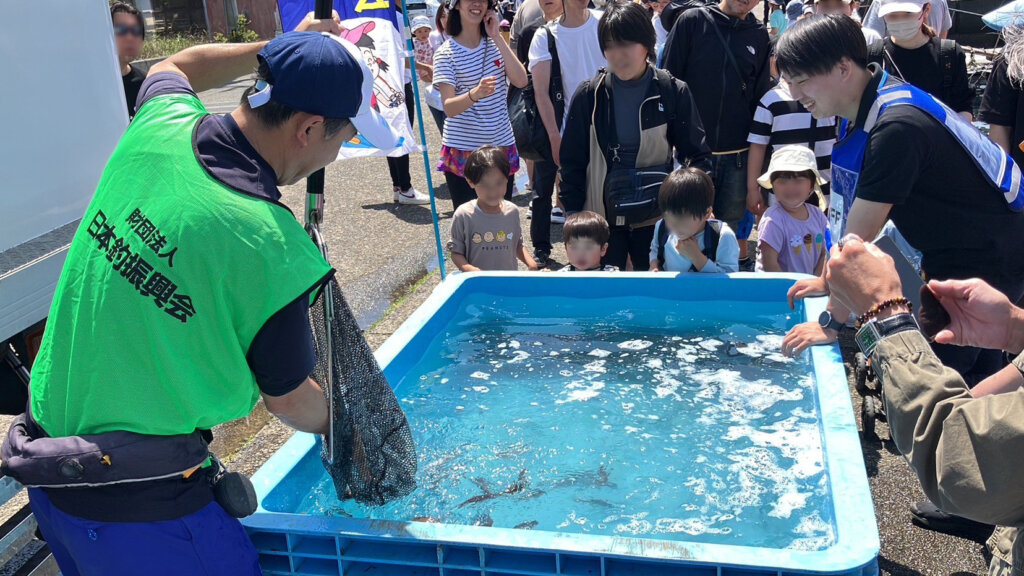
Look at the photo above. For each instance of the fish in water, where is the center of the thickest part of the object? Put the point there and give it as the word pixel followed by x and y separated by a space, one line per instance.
pixel 427 519
pixel 483 520
pixel 598 502
pixel 514 488
pixel 526 525
pixel 599 478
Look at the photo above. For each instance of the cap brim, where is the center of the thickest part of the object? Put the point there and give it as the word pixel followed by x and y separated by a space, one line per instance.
pixel 375 130
pixel 893 7
pixel 765 180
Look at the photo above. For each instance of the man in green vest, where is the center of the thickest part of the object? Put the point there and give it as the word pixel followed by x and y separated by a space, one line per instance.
pixel 184 298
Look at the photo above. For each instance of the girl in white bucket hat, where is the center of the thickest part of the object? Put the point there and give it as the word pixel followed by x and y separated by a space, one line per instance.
pixel 791 235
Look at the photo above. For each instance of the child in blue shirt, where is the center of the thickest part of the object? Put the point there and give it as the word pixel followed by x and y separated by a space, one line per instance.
pixel 686 239
pixel 777 22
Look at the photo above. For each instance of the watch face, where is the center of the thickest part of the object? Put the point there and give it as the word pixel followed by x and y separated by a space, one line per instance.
pixel 825 318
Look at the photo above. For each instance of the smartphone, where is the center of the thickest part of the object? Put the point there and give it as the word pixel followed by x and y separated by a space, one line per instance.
pixel 931 315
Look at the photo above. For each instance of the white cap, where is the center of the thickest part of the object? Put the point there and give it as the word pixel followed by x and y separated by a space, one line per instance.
pixel 421 22
pixel 792 159
pixel 370 124
pixel 890 6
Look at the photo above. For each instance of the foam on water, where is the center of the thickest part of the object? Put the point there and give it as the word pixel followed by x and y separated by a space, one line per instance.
pixel 649 423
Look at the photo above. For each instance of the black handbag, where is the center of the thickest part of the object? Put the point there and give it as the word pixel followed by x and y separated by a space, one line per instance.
pixel 531 136
pixel 630 193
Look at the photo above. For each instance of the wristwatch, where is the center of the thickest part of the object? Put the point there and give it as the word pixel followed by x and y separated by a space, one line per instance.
pixel 873 332
pixel 828 321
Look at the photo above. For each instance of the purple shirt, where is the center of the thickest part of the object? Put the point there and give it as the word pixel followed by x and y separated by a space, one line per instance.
pixel 800 243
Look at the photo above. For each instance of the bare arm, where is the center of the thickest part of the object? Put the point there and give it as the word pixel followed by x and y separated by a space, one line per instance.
pixel 455 105
pixel 755 166
pixel 513 67
pixel 1000 135
pixel 304 409
pixel 463 265
pixel 525 257
pixel 819 268
pixel 769 258
pixel 211 65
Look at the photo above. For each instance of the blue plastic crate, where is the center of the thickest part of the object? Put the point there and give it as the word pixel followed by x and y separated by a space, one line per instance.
pixel 296 544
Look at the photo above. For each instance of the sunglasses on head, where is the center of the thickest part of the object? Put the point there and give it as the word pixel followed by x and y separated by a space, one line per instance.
pixel 122 30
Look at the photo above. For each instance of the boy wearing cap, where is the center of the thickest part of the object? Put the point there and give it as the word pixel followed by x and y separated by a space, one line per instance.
pixel 191 273
pixel 791 236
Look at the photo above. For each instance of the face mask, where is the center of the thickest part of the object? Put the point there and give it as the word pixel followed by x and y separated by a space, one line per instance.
pixel 904 29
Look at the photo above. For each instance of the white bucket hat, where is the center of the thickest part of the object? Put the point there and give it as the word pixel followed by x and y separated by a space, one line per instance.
pixel 792 159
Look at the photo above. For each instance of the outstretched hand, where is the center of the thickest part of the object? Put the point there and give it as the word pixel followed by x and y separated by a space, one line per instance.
pixel 979 315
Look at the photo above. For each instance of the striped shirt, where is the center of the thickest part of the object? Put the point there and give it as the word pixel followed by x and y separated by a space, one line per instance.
pixel 486 121
pixel 780 120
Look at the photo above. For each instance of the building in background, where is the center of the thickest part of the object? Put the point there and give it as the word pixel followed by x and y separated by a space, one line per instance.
pixel 208 17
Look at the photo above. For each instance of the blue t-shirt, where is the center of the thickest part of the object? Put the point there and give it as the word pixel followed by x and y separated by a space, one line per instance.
pixel 778 21
pixel 727 257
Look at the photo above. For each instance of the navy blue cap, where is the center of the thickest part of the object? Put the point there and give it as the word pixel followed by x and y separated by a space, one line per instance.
pixel 319 73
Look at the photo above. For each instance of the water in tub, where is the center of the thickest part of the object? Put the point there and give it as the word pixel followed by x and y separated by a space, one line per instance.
pixel 668 420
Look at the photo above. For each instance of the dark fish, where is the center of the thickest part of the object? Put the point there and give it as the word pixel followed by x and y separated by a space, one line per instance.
pixel 427 519
pixel 599 478
pixel 526 525
pixel 517 486
pixel 597 502
pixel 483 520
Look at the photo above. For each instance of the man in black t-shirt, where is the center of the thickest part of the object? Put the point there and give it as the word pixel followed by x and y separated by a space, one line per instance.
pixel 915 172
pixel 130 33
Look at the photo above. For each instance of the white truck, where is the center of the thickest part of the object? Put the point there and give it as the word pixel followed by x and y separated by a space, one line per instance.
pixel 62 111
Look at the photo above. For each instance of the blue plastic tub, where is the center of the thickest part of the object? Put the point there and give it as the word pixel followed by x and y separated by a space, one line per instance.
pixel 290 543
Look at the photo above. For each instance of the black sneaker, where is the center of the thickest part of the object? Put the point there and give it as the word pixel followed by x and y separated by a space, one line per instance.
pixel 928 516
pixel 747 265
pixel 543 259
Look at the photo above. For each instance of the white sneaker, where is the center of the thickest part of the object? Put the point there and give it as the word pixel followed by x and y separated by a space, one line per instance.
pixel 557 215
pixel 412 196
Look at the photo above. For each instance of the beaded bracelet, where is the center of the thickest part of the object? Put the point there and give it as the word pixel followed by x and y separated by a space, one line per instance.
pixel 879 308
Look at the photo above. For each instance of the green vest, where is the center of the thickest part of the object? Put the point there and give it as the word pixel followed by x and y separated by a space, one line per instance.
pixel 168 279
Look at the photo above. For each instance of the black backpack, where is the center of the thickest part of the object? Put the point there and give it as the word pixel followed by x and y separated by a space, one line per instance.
pixel 947 58
pixel 712 234
pixel 531 137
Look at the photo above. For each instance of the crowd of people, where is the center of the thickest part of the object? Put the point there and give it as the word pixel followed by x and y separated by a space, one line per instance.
pixel 672 141
pixel 674 130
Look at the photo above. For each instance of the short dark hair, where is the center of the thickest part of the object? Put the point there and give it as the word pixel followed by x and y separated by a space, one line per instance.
pixel 687 191
pixel 627 23
pixel 273 113
pixel 483 159
pixel 586 225
pixel 813 46
pixel 125 8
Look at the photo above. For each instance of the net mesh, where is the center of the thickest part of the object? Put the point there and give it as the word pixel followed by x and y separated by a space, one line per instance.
pixel 373 458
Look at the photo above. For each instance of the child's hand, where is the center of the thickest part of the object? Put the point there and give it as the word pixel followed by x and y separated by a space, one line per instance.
pixel 689 248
